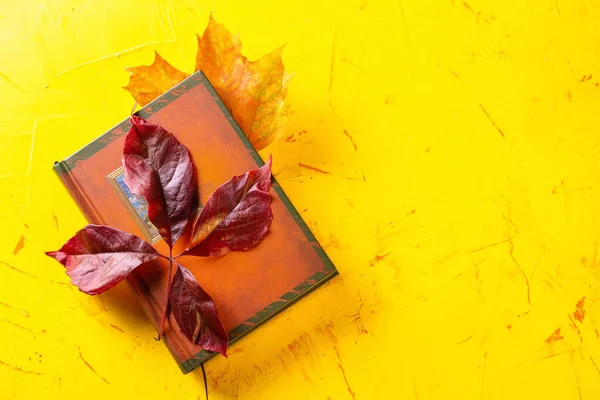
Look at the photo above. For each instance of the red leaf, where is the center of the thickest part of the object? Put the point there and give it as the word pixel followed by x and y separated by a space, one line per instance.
pixel 196 313
pixel 236 217
pixel 98 257
pixel 160 169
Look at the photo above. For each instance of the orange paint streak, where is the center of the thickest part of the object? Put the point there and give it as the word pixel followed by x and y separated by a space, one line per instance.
pixel 522 272
pixel 117 328
pixel 332 66
pixel 351 139
pixel 574 325
pixel 313 168
pixel 26 273
pixel 326 331
pixel 555 337
pixel 20 369
pixel 490 245
pixel 18 326
pixel 290 138
pixel 415 389
pixel 92 368
pixel 595 366
pixel 381 257
pixel 556 355
pixel 357 319
pixel 468 7
pixel 215 383
pixel 378 258
pixel 579 313
pixel 102 303
pixel 491 120
pixel 466 340
pixel 25 312
pixel 19 246
pixel 344 373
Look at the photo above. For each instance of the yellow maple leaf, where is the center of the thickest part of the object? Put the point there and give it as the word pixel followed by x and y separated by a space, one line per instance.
pixel 148 82
pixel 253 91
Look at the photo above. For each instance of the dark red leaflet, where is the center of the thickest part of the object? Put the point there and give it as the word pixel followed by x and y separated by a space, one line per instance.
pixel 196 314
pixel 236 217
pixel 160 169
pixel 99 257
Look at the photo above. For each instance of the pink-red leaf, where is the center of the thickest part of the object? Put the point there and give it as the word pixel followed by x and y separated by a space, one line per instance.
pixel 98 257
pixel 196 314
pixel 236 216
pixel 160 169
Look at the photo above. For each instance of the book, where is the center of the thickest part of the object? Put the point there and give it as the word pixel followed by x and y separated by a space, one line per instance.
pixel 249 287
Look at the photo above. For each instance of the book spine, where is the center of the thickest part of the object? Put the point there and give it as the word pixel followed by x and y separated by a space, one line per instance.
pixel 77 193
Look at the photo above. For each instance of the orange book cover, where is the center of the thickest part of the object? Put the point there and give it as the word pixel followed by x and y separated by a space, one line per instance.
pixel 247 287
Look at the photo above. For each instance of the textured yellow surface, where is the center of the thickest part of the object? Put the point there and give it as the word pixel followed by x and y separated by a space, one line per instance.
pixel 457 193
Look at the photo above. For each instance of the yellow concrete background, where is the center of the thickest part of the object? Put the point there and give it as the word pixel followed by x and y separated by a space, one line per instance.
pixel 460 206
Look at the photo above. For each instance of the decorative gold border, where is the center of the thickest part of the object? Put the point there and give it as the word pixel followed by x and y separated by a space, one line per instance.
pixel 112 179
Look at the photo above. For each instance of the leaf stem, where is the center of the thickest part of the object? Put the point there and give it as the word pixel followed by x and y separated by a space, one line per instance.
pixel 179 255
pixel 205 382
pixel 169 281
pixel 134 107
